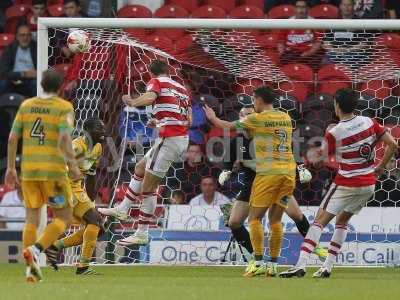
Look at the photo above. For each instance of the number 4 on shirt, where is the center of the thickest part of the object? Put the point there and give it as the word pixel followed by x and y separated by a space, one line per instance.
pixel 37 131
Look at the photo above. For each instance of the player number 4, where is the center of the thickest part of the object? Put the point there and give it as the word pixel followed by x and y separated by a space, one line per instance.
pixel 37 131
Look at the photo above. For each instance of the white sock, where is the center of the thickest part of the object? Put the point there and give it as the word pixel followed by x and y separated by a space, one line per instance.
pixel 132 194
pixel 338 238
pixel 310 242
pixel 146 213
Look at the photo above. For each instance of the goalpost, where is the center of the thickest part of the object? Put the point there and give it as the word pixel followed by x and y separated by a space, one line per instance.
pixel 223 60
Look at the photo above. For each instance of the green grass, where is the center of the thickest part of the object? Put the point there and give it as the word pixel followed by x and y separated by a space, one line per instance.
pixel 205 283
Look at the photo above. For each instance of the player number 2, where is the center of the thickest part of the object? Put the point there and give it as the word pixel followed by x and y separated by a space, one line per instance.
pixel 282 136
pixel 37 131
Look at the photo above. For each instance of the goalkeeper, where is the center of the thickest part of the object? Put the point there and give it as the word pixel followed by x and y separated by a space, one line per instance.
pixel 242 163
pixel 88 151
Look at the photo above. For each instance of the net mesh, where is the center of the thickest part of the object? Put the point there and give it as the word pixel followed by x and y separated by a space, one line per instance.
pixel 222 67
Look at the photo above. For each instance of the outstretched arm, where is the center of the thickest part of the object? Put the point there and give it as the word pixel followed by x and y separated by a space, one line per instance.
pixel 216 121
pixel 391 149
pixel 144 100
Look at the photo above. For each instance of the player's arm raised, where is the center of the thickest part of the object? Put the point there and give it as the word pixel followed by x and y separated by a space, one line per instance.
pixel 144 100
pixel 210 113
pixel 390 150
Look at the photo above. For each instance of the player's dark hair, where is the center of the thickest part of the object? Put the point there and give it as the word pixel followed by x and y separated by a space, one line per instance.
pixel 91 123
pixel 52 81
pixel 347 99
pixel 77 2
pixel 158 67
pixel 39 2
pixel 208 177
pixel 266 93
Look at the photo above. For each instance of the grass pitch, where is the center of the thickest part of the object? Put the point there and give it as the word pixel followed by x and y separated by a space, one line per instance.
pixel 205 283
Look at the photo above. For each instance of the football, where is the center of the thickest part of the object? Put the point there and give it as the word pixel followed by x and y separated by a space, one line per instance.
pixel 78 41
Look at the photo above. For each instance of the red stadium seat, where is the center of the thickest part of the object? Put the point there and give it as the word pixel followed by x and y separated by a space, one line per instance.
pixel 331 78
pixel 324 11
pixel 25 2
pixel 258 3
pixel 379 89
pixel 247 12
pixel 6 39
pixel 56 10
pixel 13 15
pixel 171 11
pixel 189 5
pixel 298 90
pixel 302 77
pixel 134 11
pixel 209 12
pixel 281 12
pixel 160 42
pixel 267 41
pixel 390 40
pixel 226 5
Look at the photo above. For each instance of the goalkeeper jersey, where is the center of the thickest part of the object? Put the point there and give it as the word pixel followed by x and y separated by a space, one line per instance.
pixel 87 157
pixel 39 122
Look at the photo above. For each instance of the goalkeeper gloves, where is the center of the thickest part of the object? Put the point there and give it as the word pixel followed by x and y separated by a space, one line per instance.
pixel 304 174
pixel 224 177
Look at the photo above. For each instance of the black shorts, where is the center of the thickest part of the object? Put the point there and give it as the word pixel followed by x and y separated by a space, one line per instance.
pixel 247 176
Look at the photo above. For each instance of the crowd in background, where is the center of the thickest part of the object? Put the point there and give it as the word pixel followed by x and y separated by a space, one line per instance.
pixel 192 182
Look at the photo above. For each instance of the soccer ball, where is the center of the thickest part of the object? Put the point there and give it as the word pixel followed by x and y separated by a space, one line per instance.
pixel 78 41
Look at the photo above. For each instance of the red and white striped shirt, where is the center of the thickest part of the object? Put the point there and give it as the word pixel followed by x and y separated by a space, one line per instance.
pixel 352 142
pixel 171 106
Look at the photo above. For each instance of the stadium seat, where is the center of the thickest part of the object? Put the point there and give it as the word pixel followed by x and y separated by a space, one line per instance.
pixel 171 11
pixel 134 11
pixel 258 3
pixel 160 42
pixel 56 10
pixel 209 12
pixel 267 41
pixel 189 5
pixel 324 11
pixel 281 12
pixel 226 5
pixel 6 39
pixel 378 89
pixel 390 40
pixel 299 90
pixel 247 12
pixel 301 76
pixel 331 78
pixel 13 15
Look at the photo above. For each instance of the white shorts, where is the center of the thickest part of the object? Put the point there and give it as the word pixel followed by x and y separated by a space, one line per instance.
pixel 349 199
pixel 164 152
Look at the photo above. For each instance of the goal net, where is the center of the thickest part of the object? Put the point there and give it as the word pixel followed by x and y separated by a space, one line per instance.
pixel 222 62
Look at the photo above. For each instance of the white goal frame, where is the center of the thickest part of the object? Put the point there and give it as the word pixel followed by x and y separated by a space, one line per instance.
pixel 45 23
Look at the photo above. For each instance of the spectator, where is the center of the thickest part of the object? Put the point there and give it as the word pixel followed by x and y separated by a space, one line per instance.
pixel 187 176
pixel 137 132
pixel 199 122
pixel 18 64
pixel 209 194
pixel 299 45
pixel 97 8
pixel 177 197
pixel 369 9
pixel 12 207
pixel 348 47
pixel 38 9
pixel 393 7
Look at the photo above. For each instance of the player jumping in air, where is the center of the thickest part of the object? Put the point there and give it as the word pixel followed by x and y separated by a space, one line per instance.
pixel 44 124
pixel 88 151
pixel 352 141
pixel 172 113
pixel 240 209
pixel 275 173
